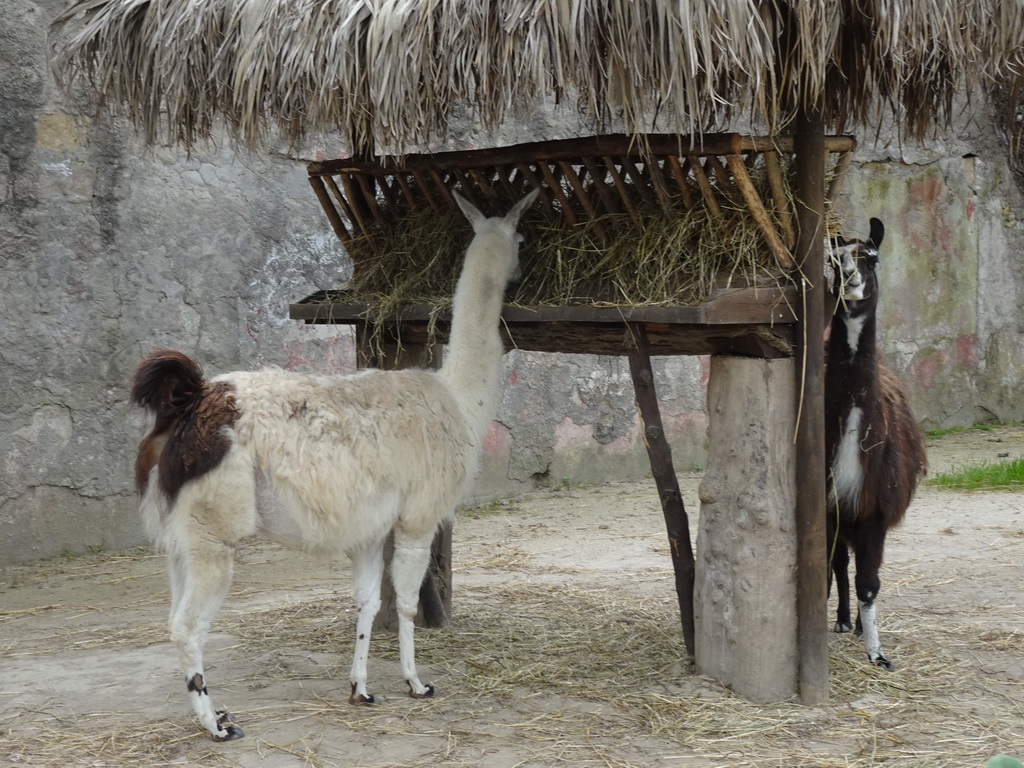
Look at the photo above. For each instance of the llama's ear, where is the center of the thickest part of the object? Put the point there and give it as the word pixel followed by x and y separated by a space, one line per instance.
pixel 470 210
pixel 512 217
pixel 877 232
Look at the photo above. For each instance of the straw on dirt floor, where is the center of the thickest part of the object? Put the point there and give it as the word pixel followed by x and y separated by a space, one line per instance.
pixel 578 671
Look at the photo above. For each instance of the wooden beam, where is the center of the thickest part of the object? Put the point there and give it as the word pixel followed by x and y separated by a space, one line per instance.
pixel 812 566
pixel 660 454
pixel 572 149
pixel 768 304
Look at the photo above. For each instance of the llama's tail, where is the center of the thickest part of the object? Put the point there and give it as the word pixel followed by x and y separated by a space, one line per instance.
pixel 186 441
pixel 168 383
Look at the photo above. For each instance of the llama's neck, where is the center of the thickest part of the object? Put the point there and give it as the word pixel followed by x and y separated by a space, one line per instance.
pixel 473 358
pixel 852 373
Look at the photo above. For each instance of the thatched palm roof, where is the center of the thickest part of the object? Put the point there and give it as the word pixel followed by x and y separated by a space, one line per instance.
pixel 389 73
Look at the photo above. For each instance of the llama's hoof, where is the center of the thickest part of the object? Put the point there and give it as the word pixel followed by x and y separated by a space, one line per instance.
pixel 427 694
pixel 841 627
pixel 360 699
pixel 232 732
pixel 884 663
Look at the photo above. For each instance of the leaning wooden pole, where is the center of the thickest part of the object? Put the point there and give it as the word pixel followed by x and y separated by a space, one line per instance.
pixel 810 435
pixel 660 454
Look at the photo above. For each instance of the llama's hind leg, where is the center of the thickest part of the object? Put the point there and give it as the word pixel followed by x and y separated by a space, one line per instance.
pixel 367 573
pixel 868 553
pixel 408 565
pixel 200 579
pixel 840 567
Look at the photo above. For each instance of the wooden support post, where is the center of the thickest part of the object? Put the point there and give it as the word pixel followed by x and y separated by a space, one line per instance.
pixel 812 568
pixel 745 596
pixel 660 454
pixel 436 589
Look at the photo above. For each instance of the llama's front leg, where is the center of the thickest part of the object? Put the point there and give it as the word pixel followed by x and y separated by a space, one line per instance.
pixel 367 573
pixel 408 565
pixel 869 561
pixel 200 580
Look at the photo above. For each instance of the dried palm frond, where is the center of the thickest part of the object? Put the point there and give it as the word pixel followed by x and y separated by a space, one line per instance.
pixel 394 73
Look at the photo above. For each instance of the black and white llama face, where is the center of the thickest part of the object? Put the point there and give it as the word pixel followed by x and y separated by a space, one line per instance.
pixel 856 265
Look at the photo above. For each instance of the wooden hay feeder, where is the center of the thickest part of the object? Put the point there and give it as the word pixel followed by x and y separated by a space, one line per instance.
pixel 613 190
pixel 722 286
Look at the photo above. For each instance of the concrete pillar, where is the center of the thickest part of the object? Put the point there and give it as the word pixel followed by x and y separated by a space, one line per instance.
pixel 746 592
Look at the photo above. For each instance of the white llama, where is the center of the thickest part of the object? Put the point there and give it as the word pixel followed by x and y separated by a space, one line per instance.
pixel 326 464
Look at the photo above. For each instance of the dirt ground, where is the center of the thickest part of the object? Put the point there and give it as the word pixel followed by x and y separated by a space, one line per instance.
pixel 564 649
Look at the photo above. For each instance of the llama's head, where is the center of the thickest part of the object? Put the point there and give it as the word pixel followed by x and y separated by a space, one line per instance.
pixel 498 232
pixel 856 266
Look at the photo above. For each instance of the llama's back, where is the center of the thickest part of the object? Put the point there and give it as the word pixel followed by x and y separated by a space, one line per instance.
pixel 337 458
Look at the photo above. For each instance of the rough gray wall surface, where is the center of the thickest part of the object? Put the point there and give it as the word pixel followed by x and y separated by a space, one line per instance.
pixel 108 250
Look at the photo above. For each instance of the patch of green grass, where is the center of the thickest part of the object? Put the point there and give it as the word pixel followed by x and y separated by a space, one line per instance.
pixel 488 508
pixel 988 476
pixel 933 434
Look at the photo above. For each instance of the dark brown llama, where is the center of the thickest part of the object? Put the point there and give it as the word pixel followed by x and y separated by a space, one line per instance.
pixel 873 445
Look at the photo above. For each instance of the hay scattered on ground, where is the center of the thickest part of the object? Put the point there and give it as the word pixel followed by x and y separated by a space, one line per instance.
pixel 578 669
pixel 559 668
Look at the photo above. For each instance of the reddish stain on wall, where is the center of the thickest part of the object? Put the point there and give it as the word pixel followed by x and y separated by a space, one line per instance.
pixel 965 351
pixel 925 370
pixel 497 441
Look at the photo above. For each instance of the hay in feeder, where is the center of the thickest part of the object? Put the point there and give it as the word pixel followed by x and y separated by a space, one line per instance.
pixel 671 249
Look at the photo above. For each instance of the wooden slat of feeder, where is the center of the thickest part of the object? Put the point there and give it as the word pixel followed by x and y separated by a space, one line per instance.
pixel 391 194
pixel 545 196
pixel 556 190
pixel 327 204
pixel 569 173
pixel 681 184
pixel 406 190
pixel 782 211
pixel 697 169
pixel 725 185
pixel 629 169
pixel 839 174
pixel 424 188
pixel 352 210
pixel 621 187
pixel 654 169
pixel 443 191
pixel 757 210
pixel 760 341
pixel 369 195
pixel 727 306
pixel 607 199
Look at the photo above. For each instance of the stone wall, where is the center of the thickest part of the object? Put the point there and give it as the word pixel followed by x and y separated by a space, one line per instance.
pixel 110 248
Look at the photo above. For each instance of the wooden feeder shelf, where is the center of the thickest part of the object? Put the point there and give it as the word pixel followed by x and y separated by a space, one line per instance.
pixel 584 181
